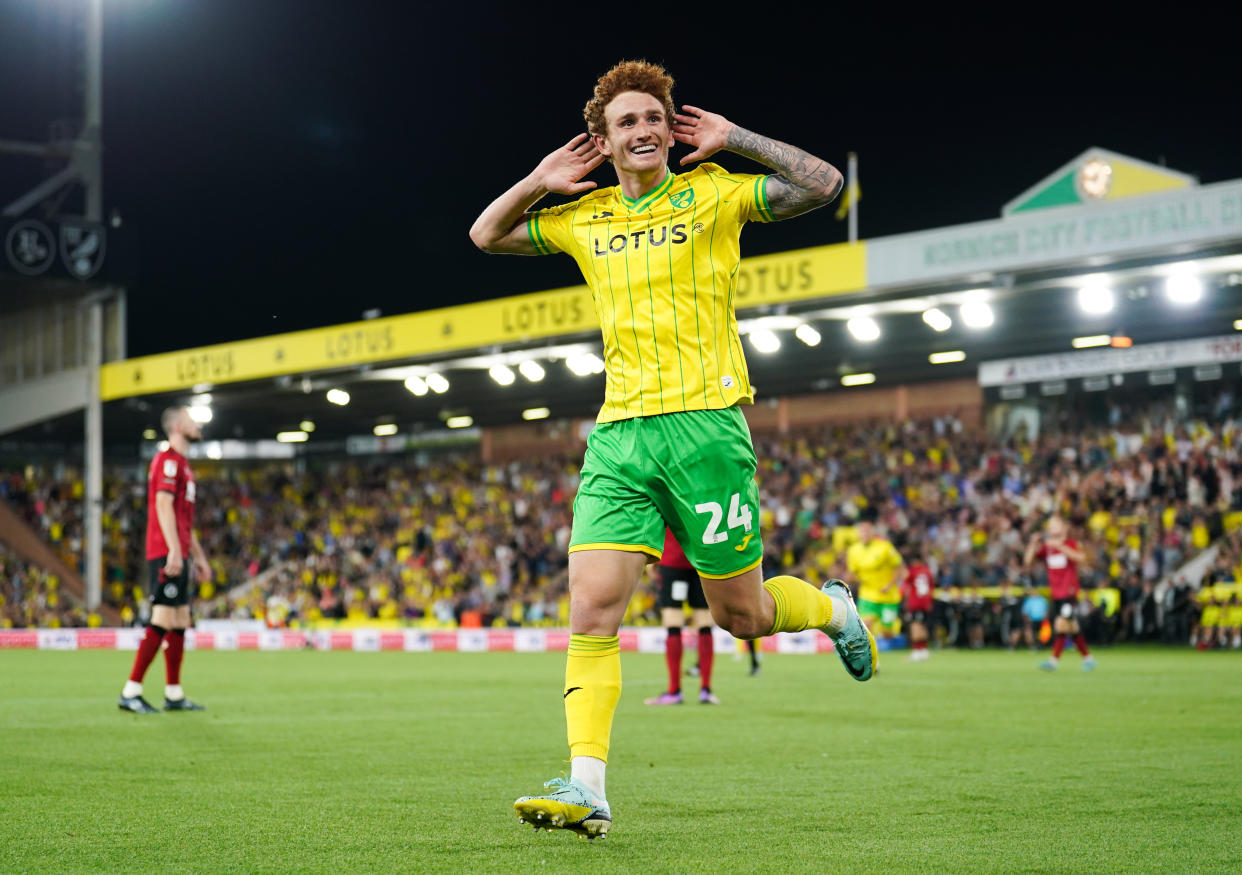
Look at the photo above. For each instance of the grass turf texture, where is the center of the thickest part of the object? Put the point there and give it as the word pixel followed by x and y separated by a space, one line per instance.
pixel 389 761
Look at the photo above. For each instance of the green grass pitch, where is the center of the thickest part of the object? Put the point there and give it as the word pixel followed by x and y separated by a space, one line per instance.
pixel 341 762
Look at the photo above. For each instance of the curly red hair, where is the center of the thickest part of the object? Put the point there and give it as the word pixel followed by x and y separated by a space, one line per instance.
pixel 628 76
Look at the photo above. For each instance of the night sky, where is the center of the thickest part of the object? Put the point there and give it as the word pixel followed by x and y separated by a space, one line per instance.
pixel 288 165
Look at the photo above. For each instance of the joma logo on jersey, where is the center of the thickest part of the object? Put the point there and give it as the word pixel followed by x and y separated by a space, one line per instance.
pixel 653 236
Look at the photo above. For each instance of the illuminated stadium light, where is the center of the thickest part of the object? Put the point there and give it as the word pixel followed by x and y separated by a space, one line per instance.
pixel 437 383
pixel 201 400
pixel 532 370
pixel 459 421
pixel 532 413
pixel 807 334
pixel 937 319
pixel 200 413
pixel 1183 288
pixel 292 437
pixel 416 385
pixel 1237 324
pixel 338 397
pixel 1090 340
pixel 1096 298
pixel 148 434
pixel 947 358
pixel 857 379
pixel 584 365
pixel 306 425
pixel 1121 341
pixel 764 340
pixel 864 328
pixel 213 450
pixel 162 446
pixel 384 430
pixel 976 313
pixel 502 374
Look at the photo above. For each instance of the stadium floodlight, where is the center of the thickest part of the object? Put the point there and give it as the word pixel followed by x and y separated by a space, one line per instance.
pixel 807 334
pixel 384 430
pixel 864 328
pixel 416 385
pixel 292 437
pixel 306 425
pixel 338 397
pixel 1237 324
pixel 148 434
pixel 162 446
pixel 764 340
pixel 200 413
pixel 1183 288
pixel 459 421
pixel 532 370
pixel 1091 340
pixel 502 374
pixel 1096 298
pixel 213 450
pixel 857 379
pixel 532 413
pixel 202 399
pixel 437 383
pixel 947 357
pixel 976 313
pixel 585 364
pixel 937 319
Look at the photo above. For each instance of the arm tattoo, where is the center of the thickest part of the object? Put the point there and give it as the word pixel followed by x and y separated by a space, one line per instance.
pixel 802 182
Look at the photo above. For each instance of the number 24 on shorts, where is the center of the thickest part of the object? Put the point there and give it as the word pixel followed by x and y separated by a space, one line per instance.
pixel 739 515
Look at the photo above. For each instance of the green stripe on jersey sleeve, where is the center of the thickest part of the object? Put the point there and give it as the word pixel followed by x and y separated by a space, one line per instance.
pixel 532 226
pixel 761 199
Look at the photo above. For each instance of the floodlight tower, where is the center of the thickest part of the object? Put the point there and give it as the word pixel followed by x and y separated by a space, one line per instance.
pixel 83 167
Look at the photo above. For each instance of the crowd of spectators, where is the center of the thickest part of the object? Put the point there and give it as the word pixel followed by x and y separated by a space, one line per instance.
pixel 456 541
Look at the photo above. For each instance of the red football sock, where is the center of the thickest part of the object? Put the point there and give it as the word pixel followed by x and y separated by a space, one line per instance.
pixel 172 655
pixel 1058 645
pixel 147 648
pixel 1080 642
pixel 920 645
pixel 707 652
pixel 672 656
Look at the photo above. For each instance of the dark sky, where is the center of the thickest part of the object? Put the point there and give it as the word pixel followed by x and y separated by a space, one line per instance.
pixel 288 165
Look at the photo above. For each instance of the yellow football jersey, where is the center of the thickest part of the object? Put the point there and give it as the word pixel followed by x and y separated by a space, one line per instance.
pixel 663 270
pixel 875 565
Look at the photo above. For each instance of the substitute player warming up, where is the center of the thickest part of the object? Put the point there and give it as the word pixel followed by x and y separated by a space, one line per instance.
pixel 661 254
pixel 171 493
pixel 1061 556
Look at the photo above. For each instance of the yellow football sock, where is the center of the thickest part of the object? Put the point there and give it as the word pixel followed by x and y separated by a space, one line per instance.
pixel 592 689
pixel 799 605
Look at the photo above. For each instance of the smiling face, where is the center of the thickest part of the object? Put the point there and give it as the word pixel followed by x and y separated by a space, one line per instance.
pixel 638 136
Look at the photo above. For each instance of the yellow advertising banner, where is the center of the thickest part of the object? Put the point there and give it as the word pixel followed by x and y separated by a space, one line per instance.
pixel 768 279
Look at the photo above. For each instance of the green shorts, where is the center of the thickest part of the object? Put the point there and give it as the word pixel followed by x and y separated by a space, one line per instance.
pixel 694 470
pixel 886 613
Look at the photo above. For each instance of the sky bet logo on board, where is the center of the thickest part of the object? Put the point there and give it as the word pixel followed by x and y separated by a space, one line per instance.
pixel 652 236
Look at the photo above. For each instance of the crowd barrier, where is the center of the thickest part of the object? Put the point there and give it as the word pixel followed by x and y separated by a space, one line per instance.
pixel 648 639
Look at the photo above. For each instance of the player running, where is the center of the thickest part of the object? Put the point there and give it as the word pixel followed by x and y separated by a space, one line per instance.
pixel 171 494
pixel 878 568
pixel 661 254
pixel 680 586
pixel 1062 556
pixel 918 592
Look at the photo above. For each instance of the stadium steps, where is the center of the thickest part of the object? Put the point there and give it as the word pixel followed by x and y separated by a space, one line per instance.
pixel 23 541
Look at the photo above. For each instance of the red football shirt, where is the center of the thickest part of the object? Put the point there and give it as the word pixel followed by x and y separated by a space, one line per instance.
pixel 1062 570
pixel 918 588
pixel 674 556
pixel 170 472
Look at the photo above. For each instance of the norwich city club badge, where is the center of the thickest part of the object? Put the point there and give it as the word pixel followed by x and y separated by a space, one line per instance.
pixel 681 199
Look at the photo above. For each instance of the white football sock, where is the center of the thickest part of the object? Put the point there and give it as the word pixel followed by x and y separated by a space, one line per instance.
pixel 173 692
pixel 840 613
pixel 131 689
pixel 590 771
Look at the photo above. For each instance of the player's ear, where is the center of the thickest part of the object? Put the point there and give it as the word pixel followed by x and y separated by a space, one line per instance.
pixel 601 144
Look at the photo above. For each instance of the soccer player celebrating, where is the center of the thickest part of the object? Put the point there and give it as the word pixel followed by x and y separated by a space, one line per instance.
pixel 918 590
pixel 661 254
pixel 878 567
pixel 171 544
pixel 1061 555
pixel 679 586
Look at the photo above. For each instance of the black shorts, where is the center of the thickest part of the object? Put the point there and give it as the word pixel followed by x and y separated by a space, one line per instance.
pixel 679 586
pixel 1066 608
pixel 909 617
pixel 164 590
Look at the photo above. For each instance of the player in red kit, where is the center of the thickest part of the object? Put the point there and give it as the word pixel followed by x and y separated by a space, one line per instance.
pixel 918 591
pixel 171 546
pixel 1062 556
pixel 679 586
